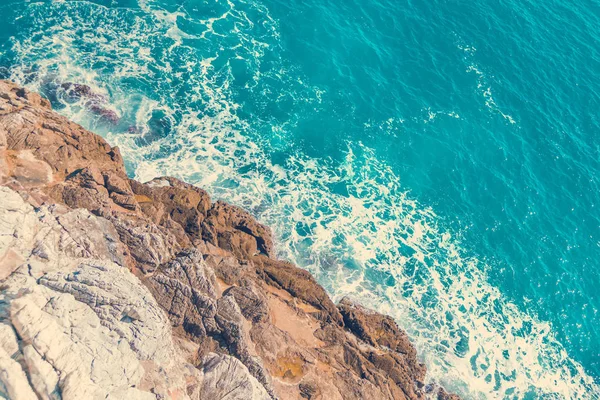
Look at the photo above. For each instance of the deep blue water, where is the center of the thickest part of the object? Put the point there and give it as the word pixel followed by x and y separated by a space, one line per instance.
pixel 436 160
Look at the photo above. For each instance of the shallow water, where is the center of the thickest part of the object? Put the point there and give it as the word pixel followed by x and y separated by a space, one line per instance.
pixel 435 160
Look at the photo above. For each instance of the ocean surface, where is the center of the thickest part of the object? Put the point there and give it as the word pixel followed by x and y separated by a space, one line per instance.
pixel 436 160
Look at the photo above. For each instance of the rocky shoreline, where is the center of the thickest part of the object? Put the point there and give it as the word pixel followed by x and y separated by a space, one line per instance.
pixel 111 288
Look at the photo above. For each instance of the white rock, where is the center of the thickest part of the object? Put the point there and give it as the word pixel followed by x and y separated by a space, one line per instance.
pixel 13 381
pixel 17 230
pixel 227 378
pixel 86 326
pixel 8 339
pixel 121 303
pixel 41 374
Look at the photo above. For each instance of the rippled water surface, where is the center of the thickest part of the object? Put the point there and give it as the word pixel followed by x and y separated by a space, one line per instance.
pixel 436 160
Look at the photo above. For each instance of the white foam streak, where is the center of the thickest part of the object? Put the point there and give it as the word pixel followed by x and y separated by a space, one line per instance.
pixel 482 83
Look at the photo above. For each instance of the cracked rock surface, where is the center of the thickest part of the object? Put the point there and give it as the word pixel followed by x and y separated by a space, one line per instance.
pixel 116 289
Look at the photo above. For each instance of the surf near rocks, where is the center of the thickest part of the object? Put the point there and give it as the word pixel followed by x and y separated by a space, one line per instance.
pixel 185 292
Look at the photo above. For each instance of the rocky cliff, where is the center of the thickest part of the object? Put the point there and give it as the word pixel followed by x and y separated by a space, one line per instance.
pixel 112 289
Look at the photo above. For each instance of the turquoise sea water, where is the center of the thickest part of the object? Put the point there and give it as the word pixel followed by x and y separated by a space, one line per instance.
pixel 436 160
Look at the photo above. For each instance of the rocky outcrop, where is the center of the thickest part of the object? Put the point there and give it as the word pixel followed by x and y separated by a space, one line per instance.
pixel 77 324
pixel 112 288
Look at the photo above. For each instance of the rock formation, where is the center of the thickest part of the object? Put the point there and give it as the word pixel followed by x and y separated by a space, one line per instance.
pixel 115 289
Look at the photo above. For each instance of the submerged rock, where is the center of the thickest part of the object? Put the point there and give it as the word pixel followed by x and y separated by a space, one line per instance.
pixel 95 102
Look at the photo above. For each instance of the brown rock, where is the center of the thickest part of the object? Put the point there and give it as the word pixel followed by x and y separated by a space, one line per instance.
pixel 230 320
pixel 308 390
pixel 233 229
pixel 374 328
pixel 352 388
pixel 30 124
pixel 33 98
pixel 331 334
pixel 115 183
pixel 126 201
pixel 186 289
pixel 82 194
pixel 228 268
pixel 88 177
pixel 183 203
pixel 252 304
pixel 443 395
pixel 299 283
